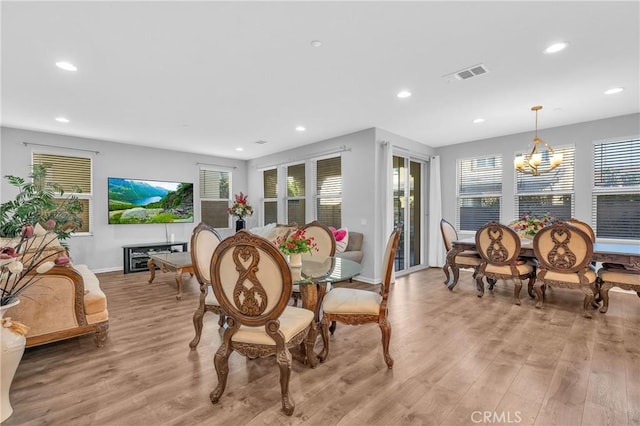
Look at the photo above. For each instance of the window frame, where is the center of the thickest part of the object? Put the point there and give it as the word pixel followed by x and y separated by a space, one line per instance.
pixel 561 192
pixel 226 200
pixel 597 191
pixel 80 195
pixel 475 165
pixel 288 198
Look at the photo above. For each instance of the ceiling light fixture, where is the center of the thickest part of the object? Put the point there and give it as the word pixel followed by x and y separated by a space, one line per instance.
pixel 316 43
pixel 301 128
pixel 478 120
pixel 67 66
pixel 404 94
pixel 531 164
pixel 556 47
pixel 614 90
pixel 62 120
pixel 239 148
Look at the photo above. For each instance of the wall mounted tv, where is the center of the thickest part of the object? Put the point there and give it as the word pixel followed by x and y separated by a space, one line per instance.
pixel 135 201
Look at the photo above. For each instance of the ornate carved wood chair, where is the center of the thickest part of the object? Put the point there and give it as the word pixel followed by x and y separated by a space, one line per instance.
pixel 204 240
pixel 584 227
pixel 615 275
pixel 499 247
pixel 465 259
pixel 325 247
pixel 355 307
pixel 252 282
pixel 564 253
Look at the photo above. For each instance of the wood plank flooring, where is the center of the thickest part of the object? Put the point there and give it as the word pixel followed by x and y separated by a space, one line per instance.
pixel 459 360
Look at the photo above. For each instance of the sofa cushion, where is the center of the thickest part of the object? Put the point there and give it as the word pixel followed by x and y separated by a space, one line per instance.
pixel 342 238
pixel 94 299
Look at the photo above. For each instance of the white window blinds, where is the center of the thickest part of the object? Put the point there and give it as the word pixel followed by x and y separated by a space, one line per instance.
pixel 479 191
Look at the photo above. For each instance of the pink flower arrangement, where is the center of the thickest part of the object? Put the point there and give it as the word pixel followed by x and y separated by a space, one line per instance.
pixel 529 225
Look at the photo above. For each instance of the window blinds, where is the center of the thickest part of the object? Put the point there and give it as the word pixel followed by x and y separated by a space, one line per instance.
pixel 479 189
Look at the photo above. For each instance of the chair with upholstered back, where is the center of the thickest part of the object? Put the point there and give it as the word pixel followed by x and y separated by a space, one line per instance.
pixel 204 240
pixel 322 237
pixel 585 227
pixel 615 275
pixel 464 259
pixel 564 252
pixel 355 307
pixel 252 282
pixel 499 247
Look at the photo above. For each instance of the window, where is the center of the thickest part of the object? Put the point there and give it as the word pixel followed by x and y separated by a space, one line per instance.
pixel 551 192
pixel 329 191
pixel 479 191
pixel 74 176
pixel 214 197
pixel 616 189
pixel 296 194
pixel 270 194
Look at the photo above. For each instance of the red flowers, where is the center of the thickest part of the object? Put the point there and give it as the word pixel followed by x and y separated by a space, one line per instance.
pixel 296 243
pixel 240 207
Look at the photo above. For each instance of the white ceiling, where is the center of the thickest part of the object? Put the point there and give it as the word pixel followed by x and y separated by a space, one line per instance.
pixel 209 77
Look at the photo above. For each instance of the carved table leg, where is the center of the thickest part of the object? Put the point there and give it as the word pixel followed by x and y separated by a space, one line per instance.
pixel 152 269
pixel 179 283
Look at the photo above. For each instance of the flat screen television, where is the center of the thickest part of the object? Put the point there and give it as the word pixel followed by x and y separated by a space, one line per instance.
pixel 136 201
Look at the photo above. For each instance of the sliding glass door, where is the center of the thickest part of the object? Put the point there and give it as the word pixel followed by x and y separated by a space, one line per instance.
pixel 408 208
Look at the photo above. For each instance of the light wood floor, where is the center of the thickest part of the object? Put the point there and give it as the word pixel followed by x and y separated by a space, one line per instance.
pixel 458 358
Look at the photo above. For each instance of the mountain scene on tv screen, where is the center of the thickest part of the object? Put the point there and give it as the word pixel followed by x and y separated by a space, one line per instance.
pixel 137 201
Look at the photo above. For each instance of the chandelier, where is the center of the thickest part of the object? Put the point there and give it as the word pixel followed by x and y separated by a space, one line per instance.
pixel 532 164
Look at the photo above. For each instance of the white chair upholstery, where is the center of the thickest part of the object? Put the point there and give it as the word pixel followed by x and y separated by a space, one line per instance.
pixel 564 252
pixel 355 307
pixel 252 282
pixel 499 247
pixel 204 240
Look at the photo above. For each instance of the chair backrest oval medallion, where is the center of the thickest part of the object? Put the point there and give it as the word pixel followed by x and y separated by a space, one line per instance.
pixel 249 300
pixel 561 256
pixel 497 243
pixel 563 247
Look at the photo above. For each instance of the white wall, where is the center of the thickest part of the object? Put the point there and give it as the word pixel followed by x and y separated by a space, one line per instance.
pixel 102 251
pixel 582 135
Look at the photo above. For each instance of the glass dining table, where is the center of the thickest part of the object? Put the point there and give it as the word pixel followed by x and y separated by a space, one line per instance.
pixel 312 279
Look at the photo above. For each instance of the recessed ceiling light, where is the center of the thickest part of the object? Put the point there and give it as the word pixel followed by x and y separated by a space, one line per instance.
pixel 67 66
pixel 614 91
pixel 556 47
pixel 62 120
pixel 478 120
pixel 301 128
pixel 403 94
pixel 239 148
pixel 316 43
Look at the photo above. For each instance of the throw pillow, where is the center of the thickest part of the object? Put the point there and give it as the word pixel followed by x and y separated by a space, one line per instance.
pixel 342 238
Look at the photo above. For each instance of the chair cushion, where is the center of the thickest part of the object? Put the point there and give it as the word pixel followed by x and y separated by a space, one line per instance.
pixel 525 268
pixel 614 276
pixel 351 301
pixel 468 259
pixel 292 321
pixel 571 277
pixel 211 297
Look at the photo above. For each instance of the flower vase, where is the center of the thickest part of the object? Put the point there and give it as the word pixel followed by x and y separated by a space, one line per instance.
pixel 240 224
pixel 295 260
pixel 11 349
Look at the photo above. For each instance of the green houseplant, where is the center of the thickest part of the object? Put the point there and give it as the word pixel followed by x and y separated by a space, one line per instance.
pixel 39 201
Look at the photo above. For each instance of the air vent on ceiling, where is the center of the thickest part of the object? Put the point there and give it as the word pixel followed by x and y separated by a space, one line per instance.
pixel 467 73
pixel 261 142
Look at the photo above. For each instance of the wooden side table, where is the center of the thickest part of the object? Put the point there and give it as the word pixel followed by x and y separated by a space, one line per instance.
pixel 178 262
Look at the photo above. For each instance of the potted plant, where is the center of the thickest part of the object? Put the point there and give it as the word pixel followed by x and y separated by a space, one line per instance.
pixel 296 244
pixel 240 208
pixel 39 201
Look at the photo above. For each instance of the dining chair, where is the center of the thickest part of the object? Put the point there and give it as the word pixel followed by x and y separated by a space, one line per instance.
pixel 252 282
pixel 204 240
pixel 564 252
pixel 356 307
pixel 499 248
pixel 616 275
pixel 464 259
pixel 325 247
pixel 585 227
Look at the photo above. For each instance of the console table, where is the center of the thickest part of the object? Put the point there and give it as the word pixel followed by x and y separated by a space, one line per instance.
pixel 136 256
